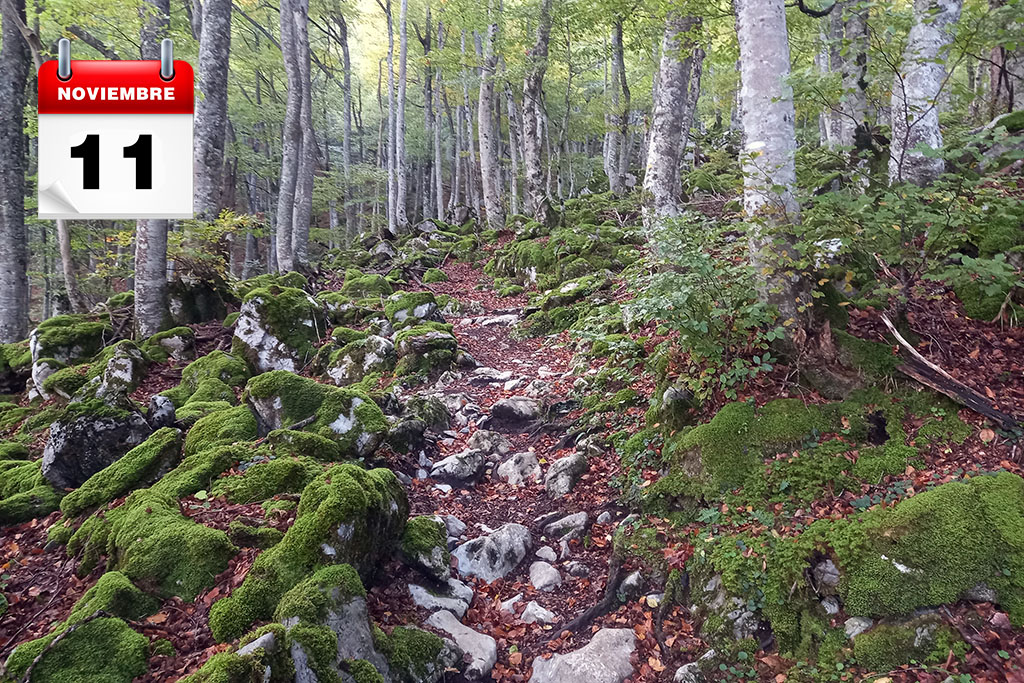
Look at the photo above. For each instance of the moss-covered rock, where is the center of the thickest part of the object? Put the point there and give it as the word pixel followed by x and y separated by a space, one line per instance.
pixel 263 480
pixel 70 339
pixel 221 428
pixel 346 515
pixel 290 279
pixel 24 492
pixel 247 536
pixel 360 358
pixel 344 310
pixel 105 650
pixel 360 286
pixel 178 343
pixel 345 415
pixel 425 349
pixel 291 443
pixel 64 382
pixel 424 547
pixel 925 640
pixel 12 450
pixel 198 471
pixel 434 275
pixel 406 309
pixel 140 466
pixel 571 291
pixel 278 329
pixel 224 367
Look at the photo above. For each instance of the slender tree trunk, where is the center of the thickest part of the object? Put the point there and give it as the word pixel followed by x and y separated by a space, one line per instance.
pixel 291 140
pixel 438 166
pixel 513 145
pixel 211 107
pixel 392 154
pixel 490 169
pixel 302 209
pixel 668 134
pixel 619 116
pixel 75 299
pixel 854 101
pixel 346 144
pixel 401 189
pixel 14 68
pixel 537 201
pixel 916 90
pixel 770 149
pixel 151 235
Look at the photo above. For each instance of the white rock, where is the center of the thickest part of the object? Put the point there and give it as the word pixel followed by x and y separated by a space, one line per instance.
pixel 564 473
pixel 605 659
pixel 456 598
pixel 546 553
pixel 544 577
pixel 522 469
pixel 494 555
pixel 481 649
pixel 535 614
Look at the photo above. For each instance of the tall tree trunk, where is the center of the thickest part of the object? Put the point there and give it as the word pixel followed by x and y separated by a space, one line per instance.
pixel 438 166
pixel 770 148
pixel 490 169
pixel 616 137
pixel 76 302
pixel 916 90
pixel 291 140
pixel 668 135
pixel 401 185
pixel 346 143
pixel 14 67
pixel 854 101
pixel 537 201
pixel 212 107
pixel 303 207
pixel 151 235
pixel 513 147
pixel 625 138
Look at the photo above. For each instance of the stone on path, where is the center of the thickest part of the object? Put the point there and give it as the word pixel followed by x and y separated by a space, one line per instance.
pixel 605 659
pixel 564 473
pixel 481 649
pixel 535 614
pixel 522 469
pixel 494 555
pixel 455 597
pixel 544 577
pixel 570 525
pixel 515 412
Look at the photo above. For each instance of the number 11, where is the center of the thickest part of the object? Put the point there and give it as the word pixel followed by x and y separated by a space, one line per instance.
pixel 89 152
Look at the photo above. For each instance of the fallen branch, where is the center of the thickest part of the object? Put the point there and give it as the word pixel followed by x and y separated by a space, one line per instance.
pixel 932 376
pixel 607 603
pixel 60 636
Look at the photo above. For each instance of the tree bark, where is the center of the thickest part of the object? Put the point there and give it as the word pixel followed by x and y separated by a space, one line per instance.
pixel 291 141
pixel 438 165
pixel 151 235
pixel 916 90
pixel 615 139
pixel 668 131
pixel 513 148
pixel 537 201
pixel 346 144
pixel 14 67
pixel 211 106
pixel 769 154
pixel 490 168
pixel 401 184
pixel 302 209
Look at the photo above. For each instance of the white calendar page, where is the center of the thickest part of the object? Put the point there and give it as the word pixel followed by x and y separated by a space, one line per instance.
pixel 115 141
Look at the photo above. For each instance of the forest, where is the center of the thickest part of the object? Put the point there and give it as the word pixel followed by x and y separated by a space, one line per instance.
pixel 525 340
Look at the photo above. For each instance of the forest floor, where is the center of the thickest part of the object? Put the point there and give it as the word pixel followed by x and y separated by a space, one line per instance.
pixel 42 587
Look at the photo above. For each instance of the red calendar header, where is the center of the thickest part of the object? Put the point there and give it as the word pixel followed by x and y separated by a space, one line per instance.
pixel 116 87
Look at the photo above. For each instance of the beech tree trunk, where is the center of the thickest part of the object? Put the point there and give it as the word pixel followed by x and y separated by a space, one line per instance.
pixel 615 142
pixel 438 166
pixel 537 201
pixel 513 149
pixel 490 169
pixel 302 209
pixel 401 185
pixel 291 140
pixel 14 68
pixel 392 156
pixel 916 90
pixel 212 107
pixel 671 115
pixel 769 170
pixel 151 235
pixel 346 144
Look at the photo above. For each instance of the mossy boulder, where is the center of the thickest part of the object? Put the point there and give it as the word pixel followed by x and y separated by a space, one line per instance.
pixel 70 339
pixel 24 492
pixel 105 650
pixel 89 436
pixel 198 471
pixel 278 329
pixel 571 291
pixel 424 547
pixel 345 415
pixel 346 515
pixel 291 279
pixel 342 309
pixel 12 450
pixel 434 275
pixel 221 428
pixel 15 367
pixel 924 640
pixel 139 467
pixel 360 286
pixel 178 343
pixel 406 309
pixel 156 546
pixel 292 443
pixel 224 367
pixel 63 382
pixel 425 349
pixel 262 480
pixel 360 358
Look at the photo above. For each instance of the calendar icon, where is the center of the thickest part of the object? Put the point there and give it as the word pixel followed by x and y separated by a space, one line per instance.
pixel 115 140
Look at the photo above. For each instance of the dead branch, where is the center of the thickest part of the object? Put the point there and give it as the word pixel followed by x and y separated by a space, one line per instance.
pixel 61 636
pixel 932 376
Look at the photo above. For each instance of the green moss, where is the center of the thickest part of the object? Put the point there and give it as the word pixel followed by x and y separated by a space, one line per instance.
pixel 161 647
pixel 891 459
pixel 139 466
pixel 288 442
pixel 218 365
pixel 343 414
pixel 116 594
pixel 409 308
pixel 358 285
pixel 227 667
pixel 411 652
pixel 66 381
pixel 370 507
pixel 289 279
pixel 90 543
pixel 346 335
pixel 198 471
pixel 24 492
pixel 121 300
pixel 160 346
pixel 922 641
pixel 193 411
pixel 231 319
pixel 245 536
pixel 71 338
pixel 321 647
pixel 11 415
pixel 363 671
pixel 15 357
pixel 158 545
pixel 290 315
pixel 949 429
pixel 210 390
pixel 221 428
pixel 310 600
pixel 266 479
pixel 434 275
pixel 875 359
pixel 422 535
pixel 101 651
